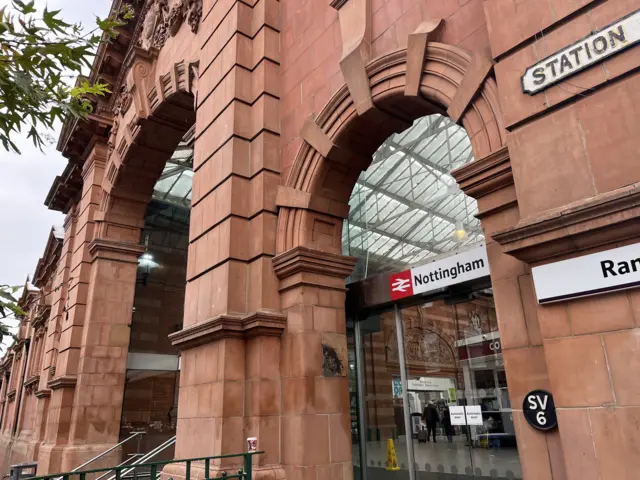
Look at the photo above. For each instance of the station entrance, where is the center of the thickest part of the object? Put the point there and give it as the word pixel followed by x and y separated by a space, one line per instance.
pixel 429 393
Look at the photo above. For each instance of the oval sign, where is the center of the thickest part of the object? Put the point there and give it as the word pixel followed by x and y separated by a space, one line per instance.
pixel 539 410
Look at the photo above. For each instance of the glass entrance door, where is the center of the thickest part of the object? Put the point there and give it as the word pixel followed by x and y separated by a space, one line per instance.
pixel 418 365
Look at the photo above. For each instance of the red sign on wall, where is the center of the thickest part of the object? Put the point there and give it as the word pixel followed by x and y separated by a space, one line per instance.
pixel 401 285
pixel 483 349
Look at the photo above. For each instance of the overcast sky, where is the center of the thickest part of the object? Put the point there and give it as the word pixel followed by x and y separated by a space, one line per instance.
pixel 25 179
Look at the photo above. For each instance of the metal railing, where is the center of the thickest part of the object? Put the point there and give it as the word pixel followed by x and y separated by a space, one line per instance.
pixel 109 450
pixel 140 461
pixel 155 469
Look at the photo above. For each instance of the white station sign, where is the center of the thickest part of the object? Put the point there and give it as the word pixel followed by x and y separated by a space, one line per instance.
pixel 616 269
pixel 430 384
pixel 461 267
pixel 592 49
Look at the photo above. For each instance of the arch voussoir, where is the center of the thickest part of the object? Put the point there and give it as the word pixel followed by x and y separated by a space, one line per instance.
pixel 402 87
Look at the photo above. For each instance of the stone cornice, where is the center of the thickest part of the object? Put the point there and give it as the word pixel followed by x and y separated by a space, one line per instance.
pixel 308 260
pixel 486 175
pixel 114 250
pixel 11 394
pixel 45 393
pixel 605 219
pixel 261 323
pixel 65 381
pixel 31 381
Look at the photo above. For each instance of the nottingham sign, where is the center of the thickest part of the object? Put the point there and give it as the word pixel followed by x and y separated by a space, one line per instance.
pixel 598 46
pixel 460 267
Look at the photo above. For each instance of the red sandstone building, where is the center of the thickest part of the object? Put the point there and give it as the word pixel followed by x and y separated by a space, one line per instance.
pixel 321 223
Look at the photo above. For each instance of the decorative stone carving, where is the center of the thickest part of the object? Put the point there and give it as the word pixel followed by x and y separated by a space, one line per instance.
pixel 153 21
pixel 123 101
pixel 164 19
pixel 331 364
pixel 194 14
pixel 111 144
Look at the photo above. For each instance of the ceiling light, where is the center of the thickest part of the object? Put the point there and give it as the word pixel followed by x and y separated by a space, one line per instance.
pixel 460 234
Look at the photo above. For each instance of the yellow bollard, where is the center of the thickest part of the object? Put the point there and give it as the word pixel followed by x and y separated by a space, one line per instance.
pixel 392 459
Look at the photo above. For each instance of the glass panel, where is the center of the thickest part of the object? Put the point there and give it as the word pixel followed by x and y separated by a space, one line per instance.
pixel 353 403
pixel 479 349
pixel 453 358
pixel 407 207
pixel 151 405
pixel 384 406
pixel 434 378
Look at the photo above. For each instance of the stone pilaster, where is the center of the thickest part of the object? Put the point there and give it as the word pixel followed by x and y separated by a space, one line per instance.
pixel 490 181
pixel 230 378
pixel 315 426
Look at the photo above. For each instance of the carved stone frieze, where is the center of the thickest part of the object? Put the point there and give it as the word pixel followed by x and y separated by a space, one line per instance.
pixel 123 101
pixel 164 19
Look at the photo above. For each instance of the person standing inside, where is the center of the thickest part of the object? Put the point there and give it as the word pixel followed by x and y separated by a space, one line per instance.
pixel 430 417
pixel 446 422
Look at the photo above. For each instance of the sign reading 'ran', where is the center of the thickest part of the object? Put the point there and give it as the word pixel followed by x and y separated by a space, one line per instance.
pixel 590 50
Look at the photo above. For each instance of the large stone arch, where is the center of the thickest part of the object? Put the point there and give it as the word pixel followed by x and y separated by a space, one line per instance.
pixel 380 97
pixel 152 115
pixel 339 142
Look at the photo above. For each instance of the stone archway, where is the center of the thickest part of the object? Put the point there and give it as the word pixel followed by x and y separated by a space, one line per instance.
pixel 400 87
pixel 153 113
pixel 338 143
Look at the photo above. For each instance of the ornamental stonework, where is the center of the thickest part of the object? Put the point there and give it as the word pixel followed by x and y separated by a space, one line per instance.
pixel 164 19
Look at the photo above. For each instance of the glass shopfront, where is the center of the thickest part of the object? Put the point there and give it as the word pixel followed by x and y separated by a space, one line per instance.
pixel 417 361
pixel 429 397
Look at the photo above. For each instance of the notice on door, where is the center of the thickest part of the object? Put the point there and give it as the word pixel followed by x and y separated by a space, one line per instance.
pixel 474 415
pixel 471 415
pixel 601 272
pixel 457 416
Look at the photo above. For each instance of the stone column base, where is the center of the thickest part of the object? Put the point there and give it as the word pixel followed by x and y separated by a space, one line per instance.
pixel 64 458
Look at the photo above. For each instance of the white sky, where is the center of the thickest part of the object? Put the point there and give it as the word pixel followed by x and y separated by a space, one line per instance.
pixel 25 179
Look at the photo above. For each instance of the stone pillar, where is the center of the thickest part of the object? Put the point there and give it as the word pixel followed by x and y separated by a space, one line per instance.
pixel 592 344
pixel 490 181
pixel 315 427
pixel 230 378
pixel 88 383
pixel 57 400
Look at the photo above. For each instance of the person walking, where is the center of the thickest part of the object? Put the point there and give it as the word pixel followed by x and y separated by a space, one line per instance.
pixel 430 417
pixel 446 422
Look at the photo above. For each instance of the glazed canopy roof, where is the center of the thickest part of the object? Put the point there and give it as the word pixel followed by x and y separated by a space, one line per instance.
pixel 406 207
pixel 174 185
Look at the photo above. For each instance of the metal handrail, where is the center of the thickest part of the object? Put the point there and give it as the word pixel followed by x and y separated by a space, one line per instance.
pixel 144 459
pixel 131 457
pixel 109 450
pixel 243 473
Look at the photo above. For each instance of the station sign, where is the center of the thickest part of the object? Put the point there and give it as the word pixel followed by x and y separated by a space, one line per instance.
pixel 594 48
pixel 430 384
pixel 608 271
pixel 460 267
pixel 539 410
